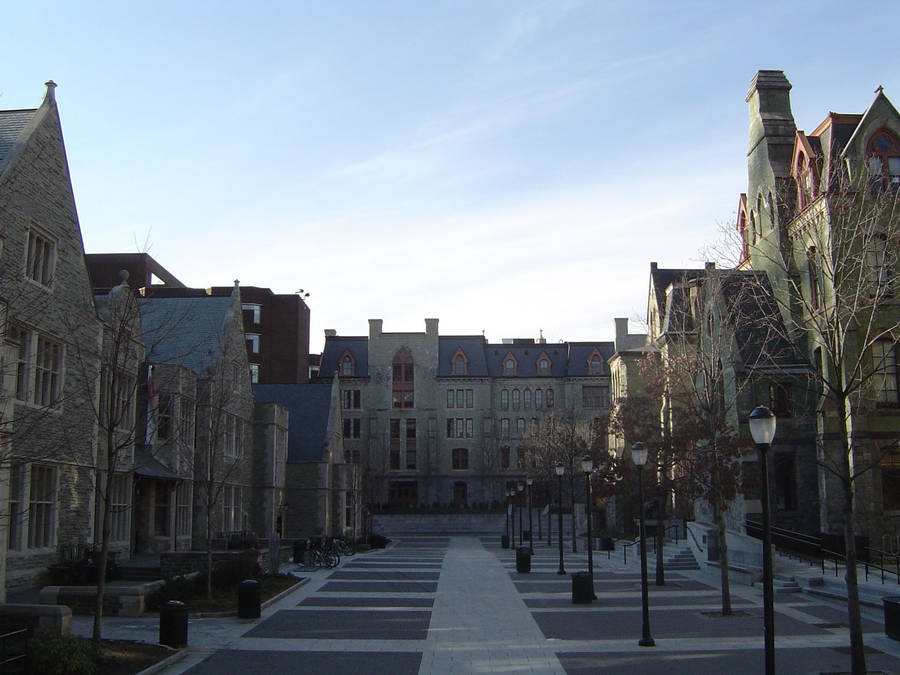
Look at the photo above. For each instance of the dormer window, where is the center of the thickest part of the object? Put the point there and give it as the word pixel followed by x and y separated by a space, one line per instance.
pixel 883 154
pixel 595 363
pixel 459 364
pixel 510 366
pixel 347 364
pixel 543 365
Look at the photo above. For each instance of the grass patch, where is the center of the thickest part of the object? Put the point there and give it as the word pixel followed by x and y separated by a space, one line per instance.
pixel 225 599
pixel 80 656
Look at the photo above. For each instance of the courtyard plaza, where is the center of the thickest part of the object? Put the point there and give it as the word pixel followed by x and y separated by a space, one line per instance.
pixel 456 604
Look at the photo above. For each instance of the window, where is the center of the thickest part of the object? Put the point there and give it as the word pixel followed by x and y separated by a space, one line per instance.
pixel 595 363
pixel 504 428
pixel 805 188
pixel 549 398
pixel 233 437
pixel 42 507
pixel 451 398
pixel 460 427
pixel 351 427
pixel 595 397
pixel 411 444
pixel 509 366
pixel 884 161
pixel 395 443
pixel 351 399
pixel 459 365
pixel 884 366
pixel 538 398
pixel 470 427
pixel 504 457
pixel 252 340
pixel 231 508
pixel 543 366
pixel 880 264
pixel 402 380
pixel 515 399
pixel 813 271
pixel 40 257
pixel 520 427
pixel 183 509
pixel 785 488
pixel 254 373
pixel 38 369
pixel 460 398
pixel 470 398
pixel 504 399
pixel 16 506
pixel 164 417
pixel 535 427
pixel 780 399
pixel 347 364
pixel 252 313
pixel 186 420
pixel 119 511
pixel 460 459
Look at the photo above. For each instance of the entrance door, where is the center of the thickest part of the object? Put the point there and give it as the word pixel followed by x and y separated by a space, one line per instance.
pixel 460 493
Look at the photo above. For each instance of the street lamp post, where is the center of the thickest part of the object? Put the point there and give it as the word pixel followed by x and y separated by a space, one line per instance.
pixel 512 515
pixel 560 470
pixel 521 488
pixel 587 466
pixel 762 428
pixel 507 518
pixel 529 481
pixel 572 490
pixel 639 457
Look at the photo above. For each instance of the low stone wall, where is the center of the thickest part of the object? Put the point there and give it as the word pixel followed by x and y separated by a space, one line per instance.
pixel 55 620
pixel 439 523
pixel 117 600
pixel 175 563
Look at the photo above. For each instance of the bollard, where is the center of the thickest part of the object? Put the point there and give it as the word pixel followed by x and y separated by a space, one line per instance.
pixel 582 589
pixel 173 624
pixel 248 599
pixel 523 559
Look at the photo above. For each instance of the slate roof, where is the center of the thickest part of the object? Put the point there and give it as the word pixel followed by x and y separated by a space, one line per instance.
pixel 472 347
pixel 12 122
pixel 335 348
pixel 309 406
pixel 580 353
pixel 662 278
pixel 186 331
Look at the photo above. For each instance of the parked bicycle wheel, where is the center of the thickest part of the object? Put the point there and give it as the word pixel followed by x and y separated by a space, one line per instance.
pixel 332 559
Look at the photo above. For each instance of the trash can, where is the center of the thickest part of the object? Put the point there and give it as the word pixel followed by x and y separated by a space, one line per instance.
pixel 523 559
pixel 504 541
pixel 582 588
pixel 173 624
pixel 892 616
pixel 248 599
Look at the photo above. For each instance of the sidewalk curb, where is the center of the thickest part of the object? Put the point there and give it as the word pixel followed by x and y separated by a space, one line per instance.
pixel 159 666
pixel 263 605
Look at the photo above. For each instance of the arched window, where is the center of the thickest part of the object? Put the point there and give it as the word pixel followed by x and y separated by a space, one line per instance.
pixel 595 363
pixel 509 365
pixel 549 398
pixel 504 399
pixel 883 152
pixel 459 365
pixel 515 399
pixel 402 380
pixel 520 427
pixel 347 364
pixel 771 205
pixel 543 365
pixel 526 398
pixel 538 398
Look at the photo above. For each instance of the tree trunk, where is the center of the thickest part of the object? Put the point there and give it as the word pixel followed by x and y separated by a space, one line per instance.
pixel 854 620
pixel 660 545
pixel 97 633
pixel 723 560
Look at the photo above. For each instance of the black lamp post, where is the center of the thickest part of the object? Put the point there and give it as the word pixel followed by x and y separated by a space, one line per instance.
pixel 521 488
pixel 587 466
pixel 507 518
pixel 762 428
pixel 560 470
pixel 639 457
pixel 529 481
pixel 512 512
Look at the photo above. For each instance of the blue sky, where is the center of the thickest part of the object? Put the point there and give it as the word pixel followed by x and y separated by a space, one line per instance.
pixel 509 167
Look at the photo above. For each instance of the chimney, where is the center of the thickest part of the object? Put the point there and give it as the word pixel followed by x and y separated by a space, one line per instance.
pixel 50 94
pixel 772 125
pixel 330 332
pixel 621 331
pixel 375 328
pixel 431 327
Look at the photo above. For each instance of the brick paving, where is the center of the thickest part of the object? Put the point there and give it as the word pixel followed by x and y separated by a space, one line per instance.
pixel 457 605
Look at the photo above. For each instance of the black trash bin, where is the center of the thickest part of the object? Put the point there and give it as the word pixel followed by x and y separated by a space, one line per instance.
pixel 504 541
pixel 523 559
pixel 582 588
pixel 892 616
pixel 173 624
pixel 248 599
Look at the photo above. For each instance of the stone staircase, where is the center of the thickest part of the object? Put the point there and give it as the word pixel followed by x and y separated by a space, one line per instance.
pixel 782 583
pixel 680 558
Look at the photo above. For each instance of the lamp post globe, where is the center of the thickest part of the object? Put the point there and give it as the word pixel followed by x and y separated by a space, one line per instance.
pixel 639 455
pixel 762 424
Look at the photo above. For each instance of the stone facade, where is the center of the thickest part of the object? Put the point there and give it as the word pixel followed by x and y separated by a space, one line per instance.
pixel 443 420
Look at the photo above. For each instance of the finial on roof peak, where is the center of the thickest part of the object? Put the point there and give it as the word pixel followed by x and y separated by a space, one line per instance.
pixel 50 94
pixel 879 89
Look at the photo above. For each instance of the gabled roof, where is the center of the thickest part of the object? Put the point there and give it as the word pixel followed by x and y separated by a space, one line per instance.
pixel 678 315
pixel 471 346
pixel 309 407
pixel 12 124
pixel 335 346
pixel 660 279
pixel 186 331
pixel 580 354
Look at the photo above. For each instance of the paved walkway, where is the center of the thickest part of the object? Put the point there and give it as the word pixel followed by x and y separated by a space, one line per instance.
pixel 441 604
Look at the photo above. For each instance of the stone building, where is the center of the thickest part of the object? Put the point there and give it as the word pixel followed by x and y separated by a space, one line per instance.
pixel 54 334
pixel 441 420
pixel 819 218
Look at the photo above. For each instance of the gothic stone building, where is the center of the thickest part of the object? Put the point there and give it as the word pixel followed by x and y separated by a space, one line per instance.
pixel 438 420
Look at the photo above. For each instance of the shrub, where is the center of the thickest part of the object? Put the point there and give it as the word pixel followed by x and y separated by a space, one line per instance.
pixel 63 656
